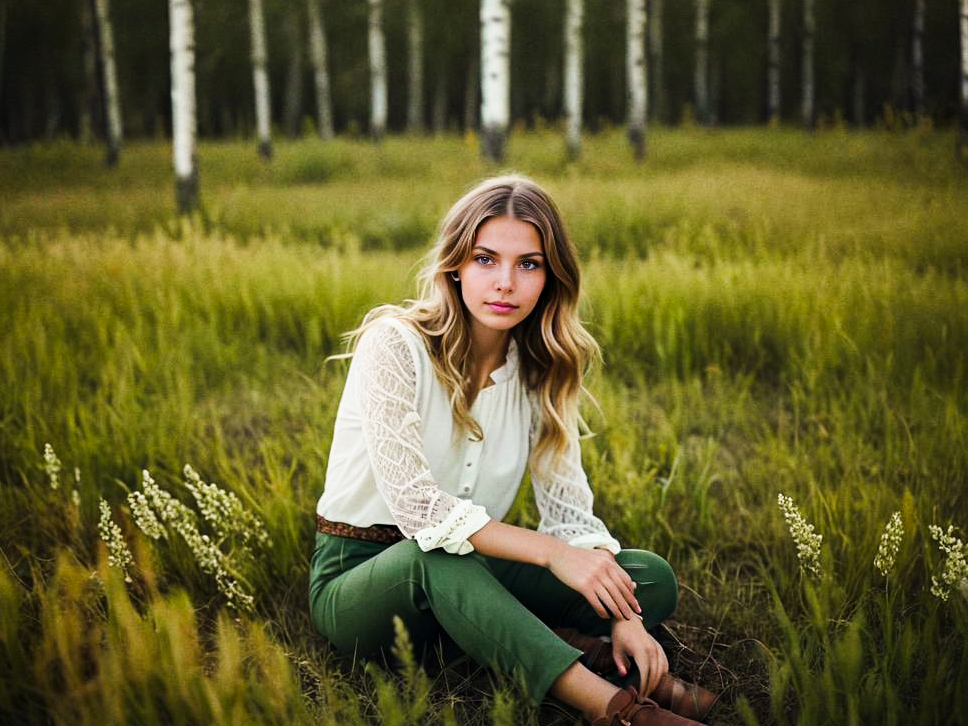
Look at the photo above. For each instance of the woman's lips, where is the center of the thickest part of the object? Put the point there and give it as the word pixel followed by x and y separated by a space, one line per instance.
pixel 499 307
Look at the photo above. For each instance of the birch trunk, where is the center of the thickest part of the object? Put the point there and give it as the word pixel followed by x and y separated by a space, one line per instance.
pixel 701 75
pixel 574 57
pixel 292 115
pixel 635 74
pixel 495 77
pixel 3 35
pixel 317 46
pixel 111 100
pixel 378 71
pixel 260 77
pixel 773 67
pixel 655 63
pixel 808 109
pixel 415 116
pixel 963 124
pixel 184 123
pixel 917 59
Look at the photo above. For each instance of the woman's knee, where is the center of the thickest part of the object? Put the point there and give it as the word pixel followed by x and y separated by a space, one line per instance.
pixel 656 587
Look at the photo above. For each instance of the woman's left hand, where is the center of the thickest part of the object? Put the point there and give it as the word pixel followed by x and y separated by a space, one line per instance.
pixel 630 639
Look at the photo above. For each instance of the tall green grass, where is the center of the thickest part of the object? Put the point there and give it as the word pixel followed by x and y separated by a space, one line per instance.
pixel 777 314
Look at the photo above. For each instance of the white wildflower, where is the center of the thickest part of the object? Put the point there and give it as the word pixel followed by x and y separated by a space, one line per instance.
pixel 52 465
pixel 76 498
pixel 890 544
pixel 955 572
pixel 225 512
pixel 206 553
pixel 118 553
pixel 808 543
pixel 144 517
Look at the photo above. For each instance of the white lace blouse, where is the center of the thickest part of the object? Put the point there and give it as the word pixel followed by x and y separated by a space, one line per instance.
pixel 395 458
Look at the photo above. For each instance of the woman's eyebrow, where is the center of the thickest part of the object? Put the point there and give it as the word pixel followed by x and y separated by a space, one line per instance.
pixel 493 253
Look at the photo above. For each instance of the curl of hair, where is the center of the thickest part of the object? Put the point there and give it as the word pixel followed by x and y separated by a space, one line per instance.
pixel 554 348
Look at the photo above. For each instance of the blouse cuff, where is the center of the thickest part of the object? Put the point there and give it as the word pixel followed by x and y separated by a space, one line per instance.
pixel 593 540
pixel 451 534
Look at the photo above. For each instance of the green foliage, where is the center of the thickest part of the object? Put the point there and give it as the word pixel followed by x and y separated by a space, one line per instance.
pixel 776 315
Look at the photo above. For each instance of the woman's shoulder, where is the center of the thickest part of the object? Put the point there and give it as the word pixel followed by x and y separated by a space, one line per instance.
pixel 390 332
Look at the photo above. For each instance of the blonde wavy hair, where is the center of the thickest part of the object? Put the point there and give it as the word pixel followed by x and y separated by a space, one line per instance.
pixel 554 348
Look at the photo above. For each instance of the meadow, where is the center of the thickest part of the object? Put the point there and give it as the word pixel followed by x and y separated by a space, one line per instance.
pixel 779 313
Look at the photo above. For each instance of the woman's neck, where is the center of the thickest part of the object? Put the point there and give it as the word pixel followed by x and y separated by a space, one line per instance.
pixel 489 349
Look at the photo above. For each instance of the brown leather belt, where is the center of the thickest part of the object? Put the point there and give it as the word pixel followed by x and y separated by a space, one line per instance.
pixel 386 533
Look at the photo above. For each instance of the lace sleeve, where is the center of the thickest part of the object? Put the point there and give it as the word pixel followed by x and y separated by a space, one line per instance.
pixel 391 428
pixel 564 498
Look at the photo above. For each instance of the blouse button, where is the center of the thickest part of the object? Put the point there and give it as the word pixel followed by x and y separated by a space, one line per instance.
pixel 466 489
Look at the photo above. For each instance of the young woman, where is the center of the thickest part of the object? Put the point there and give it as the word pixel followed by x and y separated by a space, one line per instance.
pixel 448 401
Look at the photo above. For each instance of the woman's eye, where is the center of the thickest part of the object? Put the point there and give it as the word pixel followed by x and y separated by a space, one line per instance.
pixel 529 264
pixel 483 259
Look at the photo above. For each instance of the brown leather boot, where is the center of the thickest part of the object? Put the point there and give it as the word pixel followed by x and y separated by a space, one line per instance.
pixel 596 653
pixel 624 710
pixel 684 699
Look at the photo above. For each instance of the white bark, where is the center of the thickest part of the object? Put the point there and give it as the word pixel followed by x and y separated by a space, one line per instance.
pixel 701 75
pixel 317 46
pixel 111 97
pixel 3 36
pixel 184 125
pixel 635 74
pixel 415 116
pixel 378 71
pixel 655 62
pixel 260 77
pixel 773 68
pixel 963 126
pixel 808 110
pixel 495 76
pixel 574 57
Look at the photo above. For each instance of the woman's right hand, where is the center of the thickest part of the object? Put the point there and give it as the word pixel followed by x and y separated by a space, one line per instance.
pixel 599 578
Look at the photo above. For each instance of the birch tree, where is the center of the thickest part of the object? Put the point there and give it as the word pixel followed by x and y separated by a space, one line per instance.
pixel 574 57
pixel 917 59
pixel 415 92
pixel 260 77
pixel 659 102
pixel 378 71
pixel 184 123
pixel 3 36
pixel 635 74
pixel 701 73
pixel 773 65
pixel 963 123
pixel 495 76
pixel 317 47
pixel 808 110
pixel 111 100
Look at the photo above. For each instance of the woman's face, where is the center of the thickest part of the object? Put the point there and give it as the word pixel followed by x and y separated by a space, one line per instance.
pixel 502 281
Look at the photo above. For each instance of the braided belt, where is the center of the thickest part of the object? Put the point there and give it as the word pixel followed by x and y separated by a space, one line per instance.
pixel 386 533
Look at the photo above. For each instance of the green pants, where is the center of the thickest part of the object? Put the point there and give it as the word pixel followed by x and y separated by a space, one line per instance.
pixel 497 611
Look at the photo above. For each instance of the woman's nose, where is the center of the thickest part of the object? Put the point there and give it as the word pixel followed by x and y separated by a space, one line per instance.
pixel 504 280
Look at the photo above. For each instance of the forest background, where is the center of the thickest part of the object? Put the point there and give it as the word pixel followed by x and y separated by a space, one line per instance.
pixel 782 308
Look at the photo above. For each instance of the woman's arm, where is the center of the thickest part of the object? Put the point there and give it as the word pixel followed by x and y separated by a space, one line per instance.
pixel 593 573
